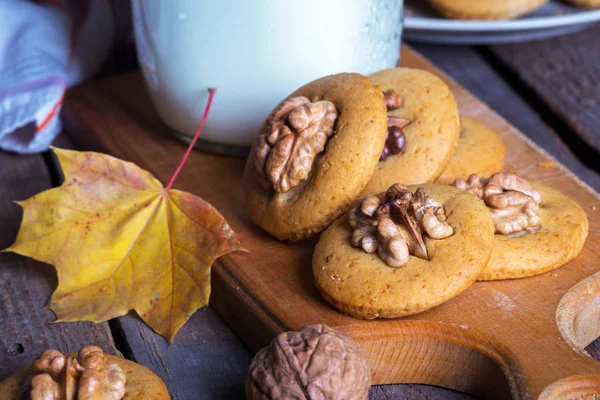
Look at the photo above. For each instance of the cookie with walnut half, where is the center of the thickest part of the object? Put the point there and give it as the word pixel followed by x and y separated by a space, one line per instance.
pixel 480 151
pixel 423 108
pixel 89 374
pixel 314 155
pixel 486 9
pixel 537 228
pixel 403 252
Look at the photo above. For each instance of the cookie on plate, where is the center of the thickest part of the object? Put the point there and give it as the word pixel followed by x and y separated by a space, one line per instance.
pixel 480 151
pixel 486 9
pixel 314 155
pixel 586 3
pixel 90 371
pixel 537 228
pixel 403 252
pixel 423 128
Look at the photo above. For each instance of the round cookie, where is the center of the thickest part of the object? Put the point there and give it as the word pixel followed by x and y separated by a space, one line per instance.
pixel 339 173
pixel 486 9
pixel 141 383
pixel 586 3
pixel 431 136
pixel 364 286
pixel 480 151
pixel 564 228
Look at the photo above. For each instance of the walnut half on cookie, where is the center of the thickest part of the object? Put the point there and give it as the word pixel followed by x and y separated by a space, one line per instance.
pixel 394 228
pixel 360 263
pixel 537 228
pixel 88 375
pixel 314 155
pixel 512 200
pixel 297 131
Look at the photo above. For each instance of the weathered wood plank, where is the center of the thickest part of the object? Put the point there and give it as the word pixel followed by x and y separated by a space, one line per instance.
pixel 470 69
pixel 206 359
pixel 25 285
pixel 564 73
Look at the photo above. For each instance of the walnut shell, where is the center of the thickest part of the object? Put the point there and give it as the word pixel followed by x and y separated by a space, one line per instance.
pixel 316 363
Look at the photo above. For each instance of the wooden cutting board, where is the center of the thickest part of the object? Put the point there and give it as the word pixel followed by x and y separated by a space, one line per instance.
pixel 521 337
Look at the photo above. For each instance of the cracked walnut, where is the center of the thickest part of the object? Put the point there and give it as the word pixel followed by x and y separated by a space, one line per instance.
pixel 394 228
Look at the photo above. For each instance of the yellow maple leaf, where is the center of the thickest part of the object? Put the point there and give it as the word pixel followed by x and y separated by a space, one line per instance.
pixel 120 241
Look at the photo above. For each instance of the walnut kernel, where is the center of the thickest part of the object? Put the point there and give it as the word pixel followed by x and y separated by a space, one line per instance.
pixel 513 202
pixel 296 132
pixel 395 227
pixel 56 376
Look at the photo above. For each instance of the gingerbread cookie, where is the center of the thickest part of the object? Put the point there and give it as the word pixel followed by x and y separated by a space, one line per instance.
pixel 586 3
pixel 405 252
pixel 424 112
pixel 314 155
pixel 480 151
pixel 486 9
pixel 538 229
pixel 89 372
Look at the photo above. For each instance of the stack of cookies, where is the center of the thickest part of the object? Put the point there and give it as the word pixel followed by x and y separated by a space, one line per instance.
pixel 408 194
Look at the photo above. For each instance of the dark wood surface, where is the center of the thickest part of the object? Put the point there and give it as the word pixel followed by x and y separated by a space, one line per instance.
pixel 562 74
pixel 25 285
pixel 509 78
pixel 206 360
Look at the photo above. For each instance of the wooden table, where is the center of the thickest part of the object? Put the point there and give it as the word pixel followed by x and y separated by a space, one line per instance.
pixel 548 89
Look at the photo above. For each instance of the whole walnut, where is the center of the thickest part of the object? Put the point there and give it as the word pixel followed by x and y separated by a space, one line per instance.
pixel 316 363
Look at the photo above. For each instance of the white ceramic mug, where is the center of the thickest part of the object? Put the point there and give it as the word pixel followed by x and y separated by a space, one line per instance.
pixel 255 52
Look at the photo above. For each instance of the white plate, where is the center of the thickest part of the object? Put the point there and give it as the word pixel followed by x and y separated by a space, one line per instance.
pixel 423 24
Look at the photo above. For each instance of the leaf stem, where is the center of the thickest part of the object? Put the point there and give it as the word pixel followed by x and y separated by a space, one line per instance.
pixel 211 95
